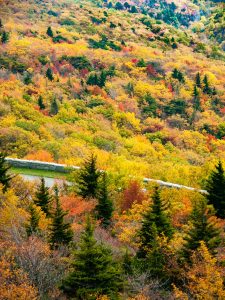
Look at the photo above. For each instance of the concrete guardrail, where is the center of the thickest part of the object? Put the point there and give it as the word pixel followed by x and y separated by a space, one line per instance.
pixel 40 165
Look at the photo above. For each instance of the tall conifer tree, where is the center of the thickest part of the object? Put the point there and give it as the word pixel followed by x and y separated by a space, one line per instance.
pixel 206 87
pixel 88 178
pixel 155 259
pixel 104 208
pixel 33 225
pixel 216 190
pixel 202 228
pixel 5 37
pixel 41 103
pixel 156 218
pixel 197 103
pixel 198 81
pixel 102 79
pixel 43 198
pixel 50 32
pixel 60 231
pixel 94 272
pixel 49 74
pixel 54 109
pixel 5 178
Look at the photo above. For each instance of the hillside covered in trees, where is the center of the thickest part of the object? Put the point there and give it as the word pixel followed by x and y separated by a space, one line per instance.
pixel 134 89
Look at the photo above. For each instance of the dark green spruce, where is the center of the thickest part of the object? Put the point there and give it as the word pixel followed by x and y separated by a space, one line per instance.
pixel 33 225
pixel 155 259
pixel 216 190
pixel 49 74
pixel 104 208
pixel 54 109
pixel 94 271
pixel 178 75
pixel 4 37
pixel 5 178
pixel 206 86
pixel 198 80
pixel 155 219
pixel 50 32
pixel 196 101
pixel 202 228
pixel 88 178
pixel 41 103
pixel 43 198
pixel 60 230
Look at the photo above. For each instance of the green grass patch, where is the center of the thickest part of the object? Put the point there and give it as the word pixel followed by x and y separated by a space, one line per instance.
pixel 41 173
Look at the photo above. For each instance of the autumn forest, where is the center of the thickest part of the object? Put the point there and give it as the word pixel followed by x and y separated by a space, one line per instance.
pixel 125 90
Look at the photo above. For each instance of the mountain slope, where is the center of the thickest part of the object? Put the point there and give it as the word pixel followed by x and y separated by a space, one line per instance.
pixel 122 85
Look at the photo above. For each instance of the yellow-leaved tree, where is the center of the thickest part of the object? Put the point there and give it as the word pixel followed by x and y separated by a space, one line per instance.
pixel 203 276
pixel 14 283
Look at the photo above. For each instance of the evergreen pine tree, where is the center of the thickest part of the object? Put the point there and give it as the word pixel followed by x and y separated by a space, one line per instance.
pixel 133 10
pixel 197 103
pixel 54 109
pixel 119 6
pixel 216 190
pixel 198 81
pixel 32 226
pixel 127 263
pixel 181 77
pixel 60 231
pixel 88 178
pixel 175 73
pixel 104 208
pixel 27 79
pixel 5 178
pixel 203 228
pixel 41 103
pixel 50 32
pixel 148 106
pixel 174 45
pixel 110 5
pixel 154 217
pixel 155 258
pixel 126 5
pixel 94 272
pixel 43 198
pixel 214 91
pixel 178 75
pixel 195 92
pixel 111 71
pixel 141 63
pixel 5 37
pixel 206 87
pixel 93 79
pixel 49 74
pixel 102 79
